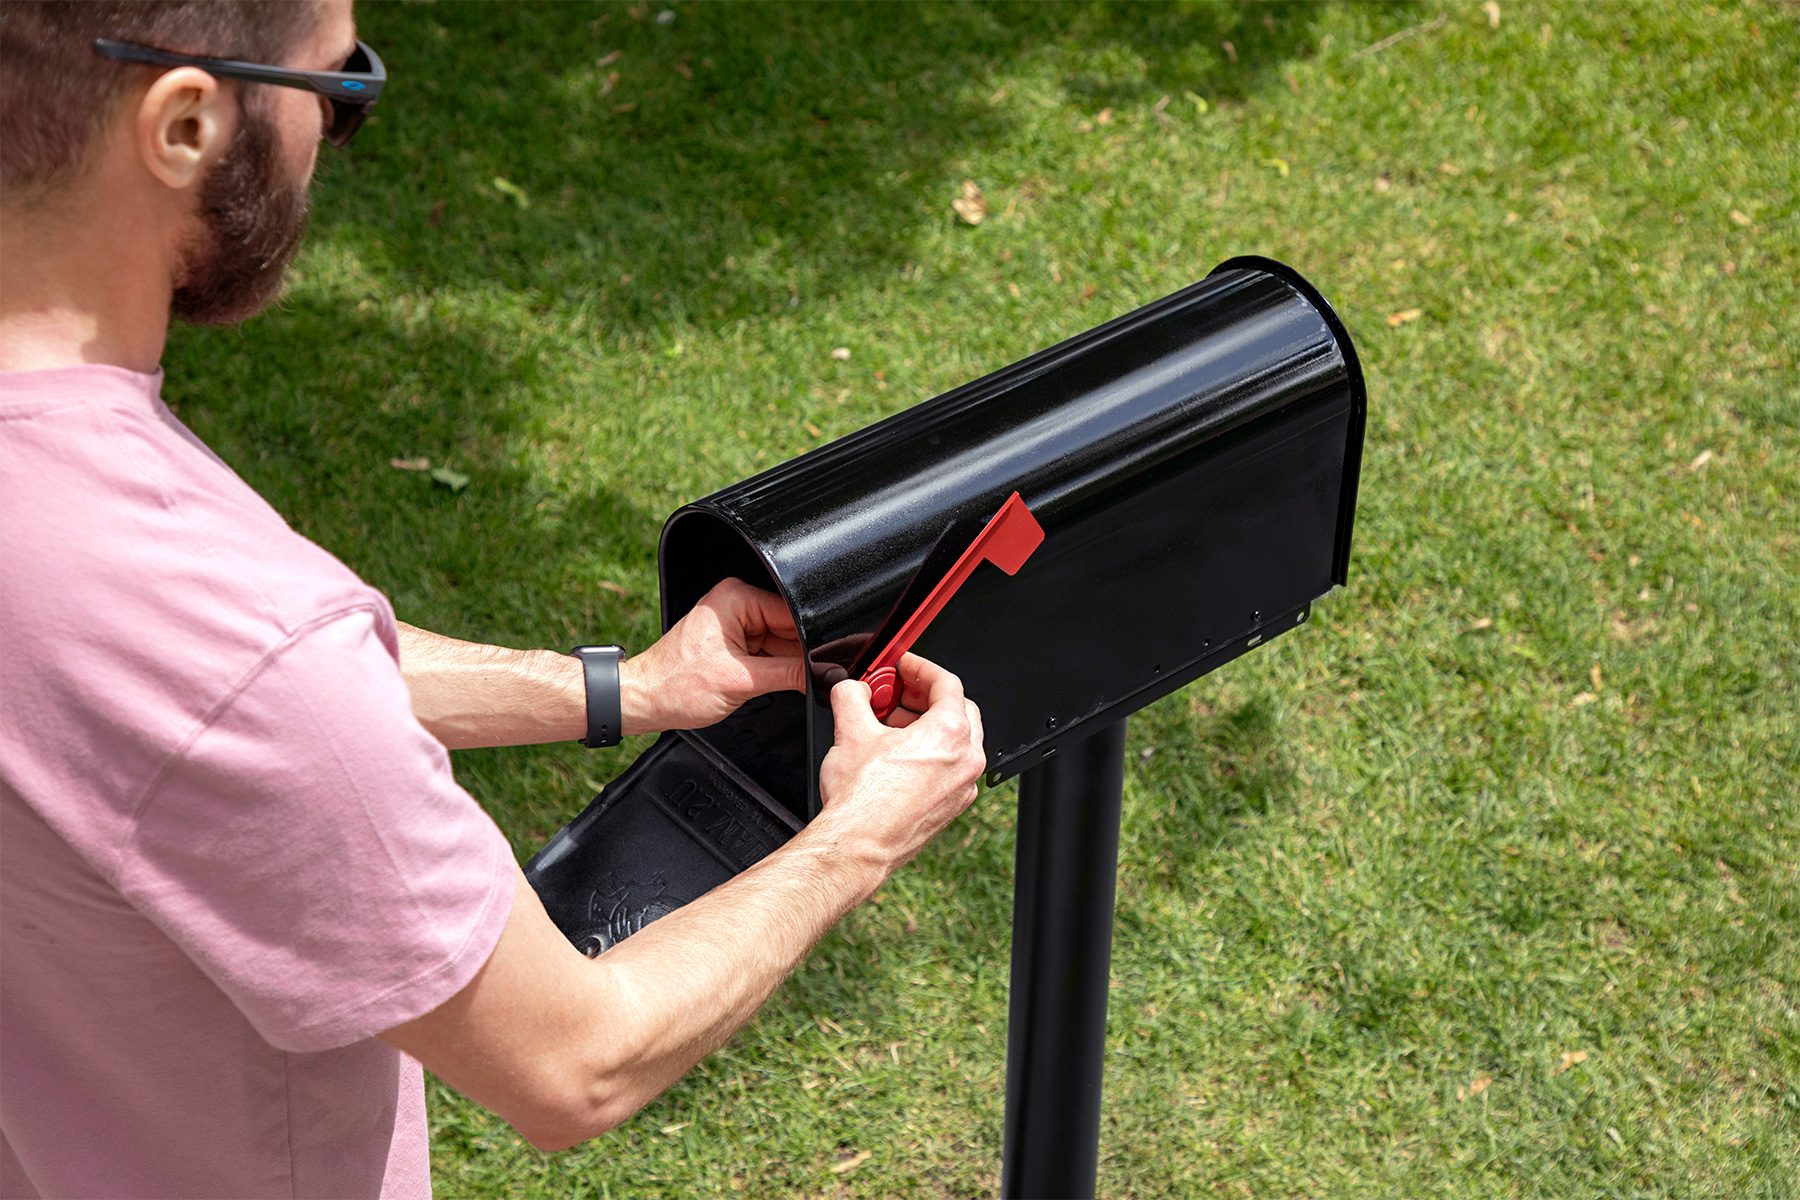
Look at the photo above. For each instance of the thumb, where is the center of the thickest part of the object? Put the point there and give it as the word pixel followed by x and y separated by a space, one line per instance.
pixel 775 673
pixel 851 712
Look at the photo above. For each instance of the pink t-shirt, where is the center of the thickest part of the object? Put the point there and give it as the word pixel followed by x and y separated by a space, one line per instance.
pixel 229 854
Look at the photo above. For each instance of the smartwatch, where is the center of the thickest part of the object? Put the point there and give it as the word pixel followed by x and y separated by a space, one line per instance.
pixel 605 723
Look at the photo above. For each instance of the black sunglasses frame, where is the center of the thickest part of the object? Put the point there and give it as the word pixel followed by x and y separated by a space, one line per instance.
pixel 351 93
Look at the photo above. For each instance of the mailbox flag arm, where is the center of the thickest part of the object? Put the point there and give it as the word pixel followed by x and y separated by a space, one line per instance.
pixel 1006 541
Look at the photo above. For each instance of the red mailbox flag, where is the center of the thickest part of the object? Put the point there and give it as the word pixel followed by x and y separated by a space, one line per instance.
pixel 1006 541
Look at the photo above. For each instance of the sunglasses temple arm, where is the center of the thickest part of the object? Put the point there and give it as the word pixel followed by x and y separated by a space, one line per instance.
pixel 324 83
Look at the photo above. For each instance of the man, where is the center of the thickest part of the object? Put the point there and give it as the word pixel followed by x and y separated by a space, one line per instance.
pixel 241 897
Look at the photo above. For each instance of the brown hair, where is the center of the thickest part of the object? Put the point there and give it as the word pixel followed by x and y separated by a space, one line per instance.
pixel 56 93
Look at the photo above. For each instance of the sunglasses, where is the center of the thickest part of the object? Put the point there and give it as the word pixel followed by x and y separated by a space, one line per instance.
pixel 351 92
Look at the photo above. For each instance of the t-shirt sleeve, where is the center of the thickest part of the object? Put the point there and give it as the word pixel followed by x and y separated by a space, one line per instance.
pixel 312 854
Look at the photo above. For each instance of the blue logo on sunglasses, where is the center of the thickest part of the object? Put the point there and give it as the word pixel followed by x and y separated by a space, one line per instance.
pixel 354 85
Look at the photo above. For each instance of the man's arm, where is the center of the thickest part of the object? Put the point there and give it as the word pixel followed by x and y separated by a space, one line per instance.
pixel 468 694
pixel 737 643
pixel 565 1048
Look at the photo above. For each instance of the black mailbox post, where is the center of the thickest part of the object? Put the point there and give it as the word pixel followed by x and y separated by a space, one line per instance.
pixel 1193 465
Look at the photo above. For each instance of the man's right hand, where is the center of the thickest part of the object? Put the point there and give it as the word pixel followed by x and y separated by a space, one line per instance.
pixel 889 788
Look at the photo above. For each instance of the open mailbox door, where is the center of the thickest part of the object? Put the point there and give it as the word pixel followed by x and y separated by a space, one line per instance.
pixel 1193 468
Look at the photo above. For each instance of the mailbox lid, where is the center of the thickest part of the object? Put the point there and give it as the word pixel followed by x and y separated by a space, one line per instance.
pixel 1194 465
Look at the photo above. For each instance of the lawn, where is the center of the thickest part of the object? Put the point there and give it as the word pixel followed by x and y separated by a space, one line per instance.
pixel 1484 884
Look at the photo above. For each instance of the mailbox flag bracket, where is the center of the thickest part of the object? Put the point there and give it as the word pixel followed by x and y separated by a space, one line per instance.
pixel 1007 541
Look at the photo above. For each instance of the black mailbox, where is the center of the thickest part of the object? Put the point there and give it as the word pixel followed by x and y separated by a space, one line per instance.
pixel 1194 467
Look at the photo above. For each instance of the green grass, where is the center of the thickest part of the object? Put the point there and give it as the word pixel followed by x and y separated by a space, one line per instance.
pixel 1526 789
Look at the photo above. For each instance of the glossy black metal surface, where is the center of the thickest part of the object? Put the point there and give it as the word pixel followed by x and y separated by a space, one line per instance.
pixel 1194 465
pixel 1067 856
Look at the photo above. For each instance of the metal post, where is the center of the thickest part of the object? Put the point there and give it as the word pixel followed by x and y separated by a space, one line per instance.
pixel 1067 860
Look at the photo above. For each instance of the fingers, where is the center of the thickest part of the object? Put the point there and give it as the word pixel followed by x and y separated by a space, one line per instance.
pixel 903 717
pixel 925 685
pixel 976 733
pixel 757 612
pixel 775 674
pixel 765 626
pixel 850 711
pixel 776 647
pixel 931 692
pixel 961 724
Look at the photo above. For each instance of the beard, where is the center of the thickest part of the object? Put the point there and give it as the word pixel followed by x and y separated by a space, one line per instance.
pixel 250 225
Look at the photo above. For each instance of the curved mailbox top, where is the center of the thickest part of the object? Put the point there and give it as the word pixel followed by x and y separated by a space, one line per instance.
pixel 1194 466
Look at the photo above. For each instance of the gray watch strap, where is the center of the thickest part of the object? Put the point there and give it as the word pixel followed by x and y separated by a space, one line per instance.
pixel 605 721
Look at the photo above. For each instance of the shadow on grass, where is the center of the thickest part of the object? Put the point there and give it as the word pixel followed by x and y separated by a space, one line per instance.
pixel 313 407
pixel 740 158
pixel 506 559
pixel 809 144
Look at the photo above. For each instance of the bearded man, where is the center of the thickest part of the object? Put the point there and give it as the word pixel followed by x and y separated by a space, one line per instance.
pixel 242 898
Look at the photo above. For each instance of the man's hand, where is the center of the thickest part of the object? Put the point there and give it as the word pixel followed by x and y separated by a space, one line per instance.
pixel 738 643
pixel 888 789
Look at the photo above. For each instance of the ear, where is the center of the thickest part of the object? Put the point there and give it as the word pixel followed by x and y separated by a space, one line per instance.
pixel 184 122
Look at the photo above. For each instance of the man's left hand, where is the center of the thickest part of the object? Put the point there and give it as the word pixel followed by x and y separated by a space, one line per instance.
pixel 738 643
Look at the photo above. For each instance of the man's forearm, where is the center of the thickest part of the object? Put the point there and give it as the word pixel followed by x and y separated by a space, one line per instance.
pixel 566 1049
pixel 467 694
pixel 682 986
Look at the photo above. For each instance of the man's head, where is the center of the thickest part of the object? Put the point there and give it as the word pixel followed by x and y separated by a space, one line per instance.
pixel 213 171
